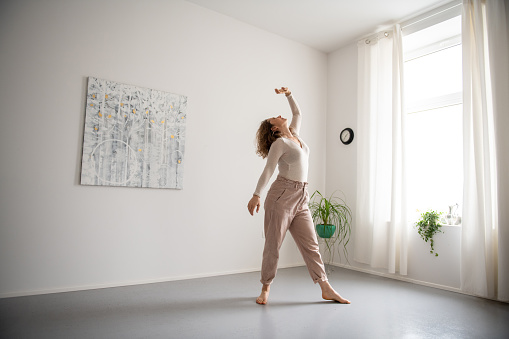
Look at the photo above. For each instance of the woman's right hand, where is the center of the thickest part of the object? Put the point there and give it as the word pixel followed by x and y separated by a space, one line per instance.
pixel 283 90
pixel 254 203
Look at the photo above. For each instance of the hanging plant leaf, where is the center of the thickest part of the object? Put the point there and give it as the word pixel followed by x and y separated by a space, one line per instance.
pixel 429 225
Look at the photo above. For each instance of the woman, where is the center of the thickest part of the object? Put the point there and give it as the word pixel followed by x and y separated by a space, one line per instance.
pixel 286 204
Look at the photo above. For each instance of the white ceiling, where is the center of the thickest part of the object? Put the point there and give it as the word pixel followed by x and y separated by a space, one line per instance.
pixel 325 25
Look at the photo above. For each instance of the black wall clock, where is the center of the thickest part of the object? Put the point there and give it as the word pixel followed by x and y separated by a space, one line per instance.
pixel 346 136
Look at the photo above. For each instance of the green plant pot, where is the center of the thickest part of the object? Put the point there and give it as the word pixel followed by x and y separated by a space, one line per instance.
pixel 325 231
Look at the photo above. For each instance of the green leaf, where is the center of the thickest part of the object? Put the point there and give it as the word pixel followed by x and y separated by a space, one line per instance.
pixel 428 225
pixel 332 210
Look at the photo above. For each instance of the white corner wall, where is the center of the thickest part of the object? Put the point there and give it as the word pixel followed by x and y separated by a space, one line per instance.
pixel 444 270
pixel 56 235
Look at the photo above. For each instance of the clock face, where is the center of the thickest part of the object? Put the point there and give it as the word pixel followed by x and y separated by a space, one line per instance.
pixel 346 136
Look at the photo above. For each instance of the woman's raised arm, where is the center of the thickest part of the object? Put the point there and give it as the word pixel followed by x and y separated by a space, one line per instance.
pixel 296 116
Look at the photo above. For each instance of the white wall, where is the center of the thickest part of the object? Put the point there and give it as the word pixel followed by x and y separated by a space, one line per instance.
pixel 57 235
pixel 341 175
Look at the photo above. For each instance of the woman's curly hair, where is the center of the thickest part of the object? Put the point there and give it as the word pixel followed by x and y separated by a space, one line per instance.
pixel 265 137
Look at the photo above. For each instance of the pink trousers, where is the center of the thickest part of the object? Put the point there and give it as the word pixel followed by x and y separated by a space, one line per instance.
pixel 286 209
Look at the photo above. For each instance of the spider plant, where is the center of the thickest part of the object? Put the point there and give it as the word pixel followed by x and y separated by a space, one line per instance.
pixel 332 211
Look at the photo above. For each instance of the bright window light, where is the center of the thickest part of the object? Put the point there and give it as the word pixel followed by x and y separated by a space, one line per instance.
pixel 433 104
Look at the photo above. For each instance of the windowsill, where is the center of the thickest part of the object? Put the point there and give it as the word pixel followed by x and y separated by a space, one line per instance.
pixel 446 225
pixel 459 225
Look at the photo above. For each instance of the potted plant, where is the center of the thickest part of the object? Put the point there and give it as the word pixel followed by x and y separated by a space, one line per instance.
pixel 428 225
pixel 332 218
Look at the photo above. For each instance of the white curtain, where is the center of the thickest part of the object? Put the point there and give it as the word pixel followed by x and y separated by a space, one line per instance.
pixel 381 222
pixel 484 241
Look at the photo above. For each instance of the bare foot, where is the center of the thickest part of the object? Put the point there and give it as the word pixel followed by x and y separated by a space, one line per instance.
pixel 328 293
pixel 264 296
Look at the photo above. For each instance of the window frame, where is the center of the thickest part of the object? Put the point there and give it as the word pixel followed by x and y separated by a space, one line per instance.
pixel 437 16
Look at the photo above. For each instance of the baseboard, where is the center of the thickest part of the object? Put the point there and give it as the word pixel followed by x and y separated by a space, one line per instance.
pixel 413 281
pixel 131 283
pixel 399 277
pixel 216 274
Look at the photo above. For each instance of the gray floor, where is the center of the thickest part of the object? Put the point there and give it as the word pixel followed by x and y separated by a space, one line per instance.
pixel 224 307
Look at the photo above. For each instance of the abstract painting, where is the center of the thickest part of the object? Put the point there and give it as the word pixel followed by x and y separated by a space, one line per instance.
pixel 133 136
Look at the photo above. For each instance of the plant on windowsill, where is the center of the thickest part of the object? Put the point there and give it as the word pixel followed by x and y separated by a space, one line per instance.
pixel 332 218
pixel 428 225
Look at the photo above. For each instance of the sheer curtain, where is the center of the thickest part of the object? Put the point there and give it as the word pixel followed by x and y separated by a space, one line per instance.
pixel 484 247
pixel 381 222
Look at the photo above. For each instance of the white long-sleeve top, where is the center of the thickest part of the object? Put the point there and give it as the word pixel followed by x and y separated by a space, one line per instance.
pixel 292 159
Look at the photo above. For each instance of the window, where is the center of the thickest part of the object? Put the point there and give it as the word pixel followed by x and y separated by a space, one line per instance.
pixel 433 104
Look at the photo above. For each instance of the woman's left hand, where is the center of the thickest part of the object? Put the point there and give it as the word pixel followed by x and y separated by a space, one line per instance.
pixel 283 90
pixel 254 203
